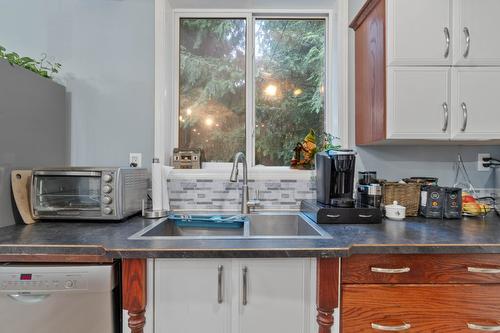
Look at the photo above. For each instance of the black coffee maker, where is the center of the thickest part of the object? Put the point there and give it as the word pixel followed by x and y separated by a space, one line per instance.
pixel 335 178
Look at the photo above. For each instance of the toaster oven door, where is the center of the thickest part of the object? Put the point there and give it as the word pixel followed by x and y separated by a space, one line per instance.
pixel 66 194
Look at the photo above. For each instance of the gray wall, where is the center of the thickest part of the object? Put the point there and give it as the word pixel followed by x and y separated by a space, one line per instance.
pixel 107 51
pixel 394 162
pixel 33 127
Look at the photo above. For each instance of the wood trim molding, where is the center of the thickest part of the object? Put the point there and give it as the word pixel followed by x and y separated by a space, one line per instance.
pixel 134 292
pixel 363 13
pixel 327 292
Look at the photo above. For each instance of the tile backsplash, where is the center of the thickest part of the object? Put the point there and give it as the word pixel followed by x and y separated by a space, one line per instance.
pixel 221 194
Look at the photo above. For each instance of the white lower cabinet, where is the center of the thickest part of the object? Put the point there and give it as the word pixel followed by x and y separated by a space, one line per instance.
pixel 234 295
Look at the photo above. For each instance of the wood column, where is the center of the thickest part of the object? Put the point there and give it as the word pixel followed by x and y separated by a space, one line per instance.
pixel 327 292
pixel 134 291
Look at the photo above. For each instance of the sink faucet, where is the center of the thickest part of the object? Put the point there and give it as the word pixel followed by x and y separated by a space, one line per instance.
pixel 246 204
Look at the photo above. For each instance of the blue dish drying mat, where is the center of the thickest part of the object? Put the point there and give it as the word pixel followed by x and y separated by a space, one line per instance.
pixel 208 221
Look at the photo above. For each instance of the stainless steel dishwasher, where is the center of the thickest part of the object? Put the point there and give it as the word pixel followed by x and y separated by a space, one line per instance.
pixel 57 299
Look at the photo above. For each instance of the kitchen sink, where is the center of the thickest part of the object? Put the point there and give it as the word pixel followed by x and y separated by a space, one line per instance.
pixel 256 226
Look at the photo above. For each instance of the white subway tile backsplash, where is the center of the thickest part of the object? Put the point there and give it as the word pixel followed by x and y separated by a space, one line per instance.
pixel 220 194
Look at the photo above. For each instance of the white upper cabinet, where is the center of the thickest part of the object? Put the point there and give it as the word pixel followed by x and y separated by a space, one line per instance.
pixel 477 32
pixel 418 103
pixel 419 32
pixel 476 103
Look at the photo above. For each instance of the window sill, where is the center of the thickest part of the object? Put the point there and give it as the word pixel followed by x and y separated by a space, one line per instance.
pixel 256 173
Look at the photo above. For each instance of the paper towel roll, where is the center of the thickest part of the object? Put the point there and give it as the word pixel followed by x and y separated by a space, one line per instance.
pixel 165 173
pixel 157 183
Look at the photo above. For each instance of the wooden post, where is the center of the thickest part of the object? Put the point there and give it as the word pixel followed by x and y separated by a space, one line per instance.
pixel 327 292
pixel 134 291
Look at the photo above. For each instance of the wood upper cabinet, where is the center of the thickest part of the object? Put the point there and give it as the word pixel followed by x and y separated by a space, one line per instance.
pixel 419 32
pixel 233 295
pixel 476 31
pixel 411 74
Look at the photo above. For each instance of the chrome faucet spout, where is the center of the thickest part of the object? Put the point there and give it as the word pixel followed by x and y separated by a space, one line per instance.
pixel 245 209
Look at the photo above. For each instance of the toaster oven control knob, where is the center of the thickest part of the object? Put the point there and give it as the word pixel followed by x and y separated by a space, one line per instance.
pixel 107 178
pixel 107 189
pixel 107 200
pixel 108 210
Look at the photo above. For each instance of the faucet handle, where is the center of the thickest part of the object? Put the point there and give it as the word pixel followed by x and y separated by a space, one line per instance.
pixel 254 202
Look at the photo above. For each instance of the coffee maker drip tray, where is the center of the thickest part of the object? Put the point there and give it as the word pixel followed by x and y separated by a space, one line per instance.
pixel 328 214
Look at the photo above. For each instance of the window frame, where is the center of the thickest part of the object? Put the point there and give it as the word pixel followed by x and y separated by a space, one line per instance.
pixel 167 74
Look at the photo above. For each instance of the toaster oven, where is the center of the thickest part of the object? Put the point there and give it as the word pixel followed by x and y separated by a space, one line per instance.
pixel 87 193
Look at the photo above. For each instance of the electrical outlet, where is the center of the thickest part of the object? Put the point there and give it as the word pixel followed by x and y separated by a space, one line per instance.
pixel 480 161
pixel 135 160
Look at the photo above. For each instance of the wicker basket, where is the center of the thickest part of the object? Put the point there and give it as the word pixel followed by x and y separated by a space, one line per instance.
pixel 407 195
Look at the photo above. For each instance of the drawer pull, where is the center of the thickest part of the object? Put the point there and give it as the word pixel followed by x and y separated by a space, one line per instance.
pixel 484 328
pixel 333 216
pixel 483 270
pixel 397 328
pixel 390 270
pixel 363 216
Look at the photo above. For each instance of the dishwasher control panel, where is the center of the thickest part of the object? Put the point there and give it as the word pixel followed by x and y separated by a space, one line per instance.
pixel 43 281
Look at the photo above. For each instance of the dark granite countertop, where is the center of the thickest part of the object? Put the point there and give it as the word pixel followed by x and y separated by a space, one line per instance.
pixel 415 235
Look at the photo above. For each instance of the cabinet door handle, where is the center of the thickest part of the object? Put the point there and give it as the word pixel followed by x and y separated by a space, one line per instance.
pixel 486 328
pixel 402 327
pixel 447 38
pixel 446 114
pixel 467 42
pixel 245 286
pixel 220 270
pixel 465 115
pixel 483 270
pixel 390 270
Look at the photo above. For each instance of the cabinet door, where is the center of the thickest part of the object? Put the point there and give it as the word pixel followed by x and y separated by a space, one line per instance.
pixel 476 103
pixel 187 298
pixel 419 32
pixel 476 32
pixel 418 103
pixel 277 294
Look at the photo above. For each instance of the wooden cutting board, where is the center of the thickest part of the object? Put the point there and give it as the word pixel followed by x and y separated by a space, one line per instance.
pixel 21 189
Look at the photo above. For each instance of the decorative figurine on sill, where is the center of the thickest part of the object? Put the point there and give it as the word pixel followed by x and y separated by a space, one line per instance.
pixel 305 151
pixel 303 156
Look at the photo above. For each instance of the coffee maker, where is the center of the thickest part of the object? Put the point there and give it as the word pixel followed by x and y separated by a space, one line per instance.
pixel 335 204
pixel 335 178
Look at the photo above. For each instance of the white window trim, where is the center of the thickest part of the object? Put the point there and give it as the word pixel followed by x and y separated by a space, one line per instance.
pixel 166 84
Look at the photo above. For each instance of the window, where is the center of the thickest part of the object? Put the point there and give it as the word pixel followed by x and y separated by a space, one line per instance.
pixel 278 93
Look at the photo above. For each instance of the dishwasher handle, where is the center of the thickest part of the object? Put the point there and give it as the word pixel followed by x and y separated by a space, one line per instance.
pixel 28 298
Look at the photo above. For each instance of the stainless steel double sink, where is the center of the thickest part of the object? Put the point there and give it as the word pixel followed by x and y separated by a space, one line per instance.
pixel 256 226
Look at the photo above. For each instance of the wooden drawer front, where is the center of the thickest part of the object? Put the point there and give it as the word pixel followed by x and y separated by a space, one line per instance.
pixel 421 269
pixel 423 308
